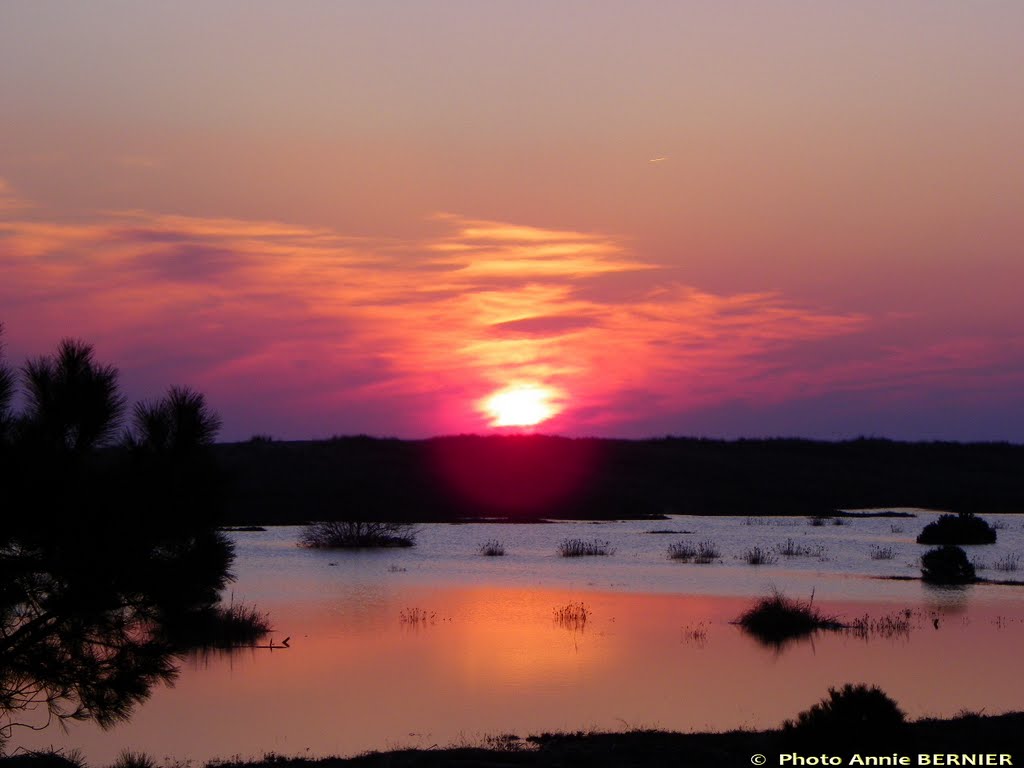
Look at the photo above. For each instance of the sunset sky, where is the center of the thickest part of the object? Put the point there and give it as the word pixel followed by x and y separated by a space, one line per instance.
pixel 608 218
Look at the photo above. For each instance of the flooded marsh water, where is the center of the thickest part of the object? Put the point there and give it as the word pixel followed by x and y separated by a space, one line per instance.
pixel 437 644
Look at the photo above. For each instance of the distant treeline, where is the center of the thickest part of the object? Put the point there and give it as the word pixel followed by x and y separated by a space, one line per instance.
pixel 530 476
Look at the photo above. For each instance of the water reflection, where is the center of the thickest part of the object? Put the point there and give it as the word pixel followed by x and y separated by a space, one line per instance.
pixel 494 660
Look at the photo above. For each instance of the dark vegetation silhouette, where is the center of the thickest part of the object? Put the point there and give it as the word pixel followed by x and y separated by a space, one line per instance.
pixel 947 565
pixel 757 555
pixel 776 620
pixel 855 715
pixel 284 482
pixel 964 528
pixel 860 717
pixel 581 548
pixel 109 553
pixel 702 553
pixel 357 534
pixel 492 548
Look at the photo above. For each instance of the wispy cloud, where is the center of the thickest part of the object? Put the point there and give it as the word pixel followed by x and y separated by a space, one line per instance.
pixel 286 324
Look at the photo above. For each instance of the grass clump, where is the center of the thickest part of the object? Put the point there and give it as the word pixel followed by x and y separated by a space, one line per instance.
pixel 777 618
pixel 356 534
pixel 129 759
pixel 1009 563
pixel 947 565
pixel 572 616
pixel 707 552
pixel 853 714
pixel 891 625
pixel 417 617
pixel 964 528
pixel 882 553
pixel 759 556
pixel 683 551
pixel 792 549
pixel 232 626
pixel 492 548
pixel 703 553
pixel 581 548
pixel 695 634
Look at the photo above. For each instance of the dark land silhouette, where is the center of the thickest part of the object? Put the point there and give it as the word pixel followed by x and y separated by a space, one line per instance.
pixel 966 734
pixel 526 477
pixel 813 735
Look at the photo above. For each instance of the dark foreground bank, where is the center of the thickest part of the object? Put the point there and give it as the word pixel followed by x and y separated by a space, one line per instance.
pixel 973 736
pixel 974 740
pixel 529 476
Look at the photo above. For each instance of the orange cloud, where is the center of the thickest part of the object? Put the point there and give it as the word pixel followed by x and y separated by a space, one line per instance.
pixel 316 328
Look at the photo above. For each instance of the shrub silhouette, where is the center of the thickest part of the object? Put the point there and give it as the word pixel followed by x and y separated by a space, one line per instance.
pixel 355 534
pixel 853 714
pixel 775 619
pixel 947 565
pixel 964 528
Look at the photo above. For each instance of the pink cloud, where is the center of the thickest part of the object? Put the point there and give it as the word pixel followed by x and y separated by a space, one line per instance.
pixel 308 332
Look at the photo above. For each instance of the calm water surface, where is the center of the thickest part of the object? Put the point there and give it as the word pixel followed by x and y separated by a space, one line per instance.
pixel 437 644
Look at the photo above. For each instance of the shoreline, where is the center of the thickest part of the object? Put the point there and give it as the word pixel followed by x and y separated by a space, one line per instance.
pixel 969 734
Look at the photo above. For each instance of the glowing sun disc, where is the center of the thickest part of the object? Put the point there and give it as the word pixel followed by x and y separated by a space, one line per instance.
pixel 521 406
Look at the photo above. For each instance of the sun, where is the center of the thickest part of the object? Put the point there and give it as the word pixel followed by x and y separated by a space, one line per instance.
pixel 521 405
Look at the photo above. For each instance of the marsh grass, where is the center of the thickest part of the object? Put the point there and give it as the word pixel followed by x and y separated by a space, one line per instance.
pixel 793 549
pixel 129 759
pixel 581 548
pixel 232 626
pixel 357 534
pixel 51 757
pixel 683 551
pixel 707 552
pixel 696 634
pixel 882 553
pixel 242 624
pixel 1010 562
pixel 891 625
pixel 759 556
pixel 571 616
pixel 505 742
pixel 417 617
pixel 492 548
pixel 702 553
pixel 777 618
